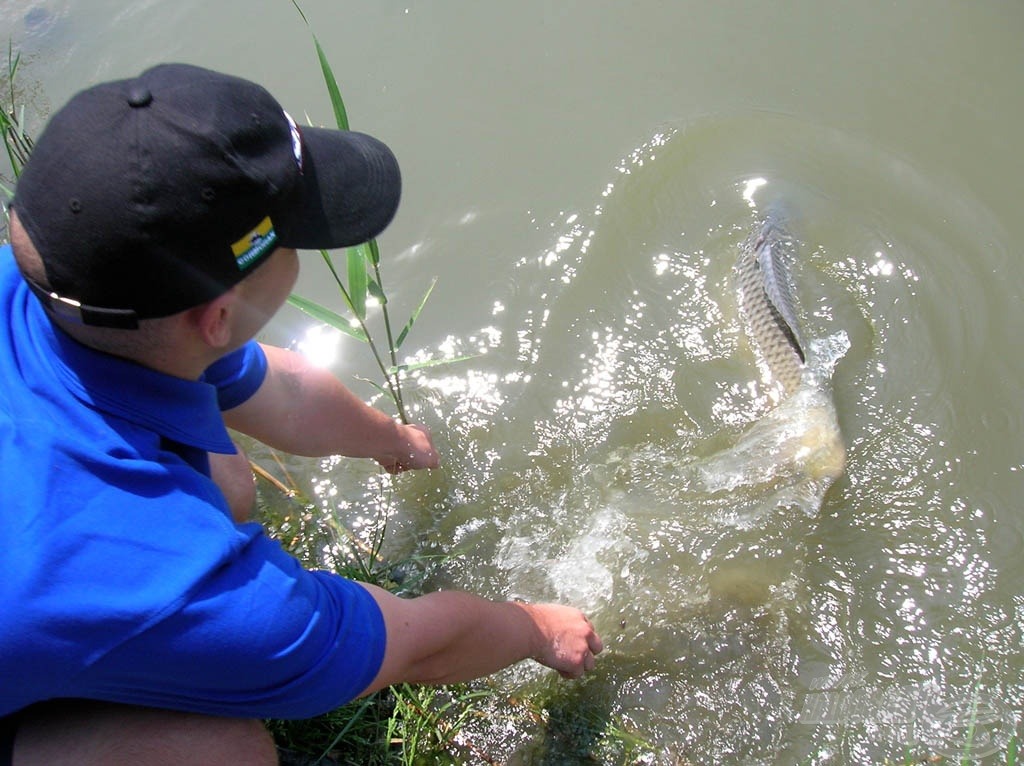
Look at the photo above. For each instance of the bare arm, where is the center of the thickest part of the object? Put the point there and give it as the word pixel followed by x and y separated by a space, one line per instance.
pixel 442 637
pixel 305 410
pixel 450 636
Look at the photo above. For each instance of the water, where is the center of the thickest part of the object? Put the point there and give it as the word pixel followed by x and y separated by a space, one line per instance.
pixel 578 177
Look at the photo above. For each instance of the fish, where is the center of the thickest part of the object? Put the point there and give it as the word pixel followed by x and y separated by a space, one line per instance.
pixel 775 452
pixel 796 445
pixel 767 302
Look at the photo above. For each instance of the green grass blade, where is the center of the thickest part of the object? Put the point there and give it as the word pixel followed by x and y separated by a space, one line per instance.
pixel 375 290
pixel 376 385
pixel 363 706
pixel 415 315
pixel 327 316
pixel 299 9
pixel 340 115
pixel 13 59
pixel 430 363
pixel 357 279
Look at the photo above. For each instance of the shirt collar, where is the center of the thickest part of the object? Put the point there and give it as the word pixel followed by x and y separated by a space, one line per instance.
pixel 185 411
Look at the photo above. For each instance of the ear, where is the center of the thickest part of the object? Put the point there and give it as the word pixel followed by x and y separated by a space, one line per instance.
pixel 214 319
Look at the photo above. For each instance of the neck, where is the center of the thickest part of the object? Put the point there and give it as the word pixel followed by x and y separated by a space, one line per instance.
pixel 163 345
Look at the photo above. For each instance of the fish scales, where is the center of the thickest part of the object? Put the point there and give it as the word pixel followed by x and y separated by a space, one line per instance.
pixel 767 304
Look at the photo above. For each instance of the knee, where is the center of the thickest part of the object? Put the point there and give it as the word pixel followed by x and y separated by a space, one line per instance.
pixel 222 741
pixel 233 474
pixel 88 733
pixel 230 741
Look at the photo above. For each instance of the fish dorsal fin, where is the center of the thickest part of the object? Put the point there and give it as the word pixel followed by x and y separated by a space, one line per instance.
pixel 788 329
pixel 777 289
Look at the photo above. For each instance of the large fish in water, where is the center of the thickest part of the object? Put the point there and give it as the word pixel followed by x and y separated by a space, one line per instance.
pixel 796 450
pixel 767 303
pixel 787 455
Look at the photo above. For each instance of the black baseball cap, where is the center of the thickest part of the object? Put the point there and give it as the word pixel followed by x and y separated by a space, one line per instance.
pixel 149 196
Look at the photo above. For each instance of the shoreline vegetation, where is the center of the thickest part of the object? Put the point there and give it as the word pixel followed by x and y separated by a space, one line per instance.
pixel 407 725
pixel 410 725
pixel 400 725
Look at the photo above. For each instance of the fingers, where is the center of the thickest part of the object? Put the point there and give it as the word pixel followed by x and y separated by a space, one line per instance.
pixel 587 665
pixel 573 642
pixel 594 647
pixel 416 451
pixel 594 642
pixel 421 447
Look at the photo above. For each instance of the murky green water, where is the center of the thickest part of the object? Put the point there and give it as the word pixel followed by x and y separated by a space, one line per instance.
pixel 575 177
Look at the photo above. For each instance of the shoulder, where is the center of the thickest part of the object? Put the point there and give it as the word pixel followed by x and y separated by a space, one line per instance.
pixel 238 375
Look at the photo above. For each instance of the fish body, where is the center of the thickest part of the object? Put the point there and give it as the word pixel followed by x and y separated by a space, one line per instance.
pixel 767 302
pixel 793 452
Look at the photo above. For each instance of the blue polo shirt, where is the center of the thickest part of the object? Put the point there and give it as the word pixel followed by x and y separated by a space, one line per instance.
pixel 122 575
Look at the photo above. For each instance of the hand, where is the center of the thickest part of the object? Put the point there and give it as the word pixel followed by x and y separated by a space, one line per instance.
pixel 448 637
pixel 415 450
pixel 569 642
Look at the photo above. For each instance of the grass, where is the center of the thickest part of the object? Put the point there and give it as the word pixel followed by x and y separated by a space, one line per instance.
pixel 17 143
pixel 1006 758
pixel 402 725
pixel 409 725
pixel 363 269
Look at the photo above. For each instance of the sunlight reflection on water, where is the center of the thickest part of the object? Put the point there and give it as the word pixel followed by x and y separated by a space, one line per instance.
pixel 622 482
pixel 616 448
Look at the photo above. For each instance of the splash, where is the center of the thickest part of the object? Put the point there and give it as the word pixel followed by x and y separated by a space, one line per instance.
pixel 792 454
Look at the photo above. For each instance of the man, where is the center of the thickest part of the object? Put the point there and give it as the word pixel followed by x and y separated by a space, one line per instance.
pixel 142 619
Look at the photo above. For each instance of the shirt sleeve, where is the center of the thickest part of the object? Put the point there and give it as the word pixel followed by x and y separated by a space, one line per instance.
pixel 261 638
pixel 237 375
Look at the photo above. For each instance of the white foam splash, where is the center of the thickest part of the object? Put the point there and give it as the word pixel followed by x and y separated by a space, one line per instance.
pixel 796 450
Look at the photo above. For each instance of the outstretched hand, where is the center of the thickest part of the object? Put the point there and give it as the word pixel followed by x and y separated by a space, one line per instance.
pixel 449 637
pixel 568 642
pixel 415 450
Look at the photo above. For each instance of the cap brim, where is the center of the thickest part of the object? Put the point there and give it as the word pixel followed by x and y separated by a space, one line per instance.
pixel 348 191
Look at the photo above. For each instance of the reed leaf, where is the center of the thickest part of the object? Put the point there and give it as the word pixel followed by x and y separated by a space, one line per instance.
pixel 328 317
pixel 374 253
pixel 375 290
pixel 412 319
pixel 340 115
pixel 357 279
pixel 374 384
pixel 426 363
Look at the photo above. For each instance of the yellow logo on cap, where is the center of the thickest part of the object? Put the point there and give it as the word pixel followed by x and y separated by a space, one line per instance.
pixel 255 244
